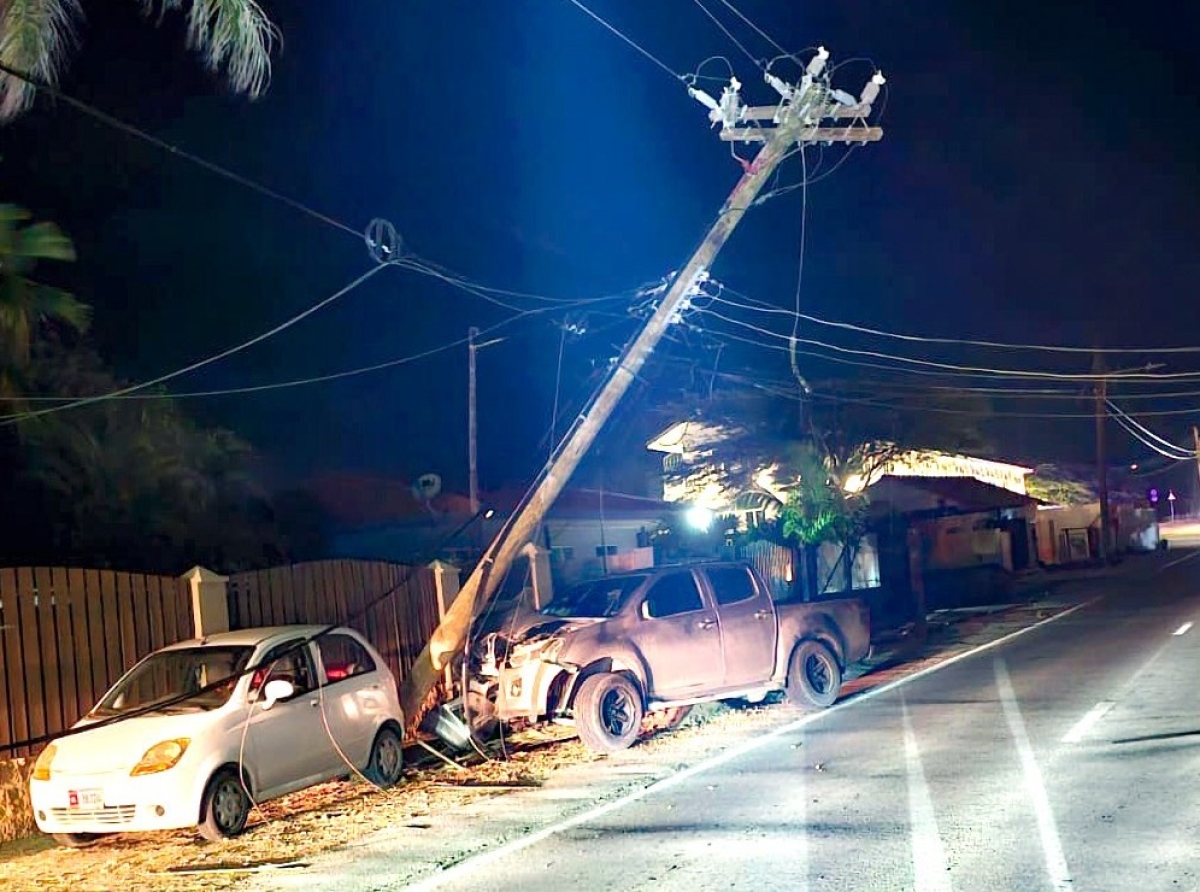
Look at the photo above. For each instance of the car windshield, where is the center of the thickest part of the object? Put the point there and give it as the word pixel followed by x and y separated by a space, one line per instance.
pixel 168 674
pixel 598 598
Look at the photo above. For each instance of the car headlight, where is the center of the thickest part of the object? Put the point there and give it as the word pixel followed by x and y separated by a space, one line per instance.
pixel 161 757
pixel 41 768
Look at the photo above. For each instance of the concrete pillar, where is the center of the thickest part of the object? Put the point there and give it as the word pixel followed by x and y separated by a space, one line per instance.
pixel 210 601
pixel 539 574
pixel 445 586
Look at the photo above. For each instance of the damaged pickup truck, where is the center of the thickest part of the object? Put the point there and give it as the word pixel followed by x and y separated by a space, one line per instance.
pixel 606 652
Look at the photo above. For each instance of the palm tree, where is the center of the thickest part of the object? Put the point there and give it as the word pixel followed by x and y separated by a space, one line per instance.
pixel 231 36
pixel 24 303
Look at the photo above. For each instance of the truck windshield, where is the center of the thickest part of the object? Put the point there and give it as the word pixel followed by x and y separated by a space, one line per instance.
pixel 169 674
pixel 596 599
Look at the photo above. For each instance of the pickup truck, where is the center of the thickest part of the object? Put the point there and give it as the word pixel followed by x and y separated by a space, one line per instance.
pixel 606 652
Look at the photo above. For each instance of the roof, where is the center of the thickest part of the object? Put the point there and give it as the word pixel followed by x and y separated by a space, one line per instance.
pixel 683 436
pixel 964 495
pixel 359 500
pixel 585 502
pixel 250 637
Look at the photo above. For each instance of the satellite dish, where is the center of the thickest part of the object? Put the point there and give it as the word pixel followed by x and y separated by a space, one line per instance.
pixel 426 487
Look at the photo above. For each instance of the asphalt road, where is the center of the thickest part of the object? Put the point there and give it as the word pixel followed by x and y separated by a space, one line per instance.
pixel 1065 758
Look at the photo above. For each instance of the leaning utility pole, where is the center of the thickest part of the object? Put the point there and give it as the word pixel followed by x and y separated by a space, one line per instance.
pixel 795 120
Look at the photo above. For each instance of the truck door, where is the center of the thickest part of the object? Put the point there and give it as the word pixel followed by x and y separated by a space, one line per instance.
pixel 678 638
pixel 748 625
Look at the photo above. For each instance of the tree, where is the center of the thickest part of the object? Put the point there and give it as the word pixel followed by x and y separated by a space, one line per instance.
pixel 25 303
pixel 133 483
pixel 233 37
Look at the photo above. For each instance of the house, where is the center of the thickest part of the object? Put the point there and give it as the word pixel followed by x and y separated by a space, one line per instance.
pixel 588 532
pixel 703 466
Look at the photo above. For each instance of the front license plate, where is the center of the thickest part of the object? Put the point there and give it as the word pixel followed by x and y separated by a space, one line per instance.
pixel 85 798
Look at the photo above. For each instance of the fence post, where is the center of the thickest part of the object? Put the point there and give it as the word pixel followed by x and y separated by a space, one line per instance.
pixel 445 585
pixel 539 573
pixel 210 601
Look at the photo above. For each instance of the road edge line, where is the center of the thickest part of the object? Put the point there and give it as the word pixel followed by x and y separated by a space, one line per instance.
pixel 473 863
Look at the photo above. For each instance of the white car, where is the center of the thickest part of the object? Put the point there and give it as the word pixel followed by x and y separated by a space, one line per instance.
pixel 290 717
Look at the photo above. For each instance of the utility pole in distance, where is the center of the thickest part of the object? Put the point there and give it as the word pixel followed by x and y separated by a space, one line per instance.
pixel 1196 447
pixel 472 425
pixel 794 121
pixel 1102 453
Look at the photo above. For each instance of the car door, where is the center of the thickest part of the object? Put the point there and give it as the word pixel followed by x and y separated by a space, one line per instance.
pixel 678 638
pixel 354 695
pixel 748 624
pixel 286 746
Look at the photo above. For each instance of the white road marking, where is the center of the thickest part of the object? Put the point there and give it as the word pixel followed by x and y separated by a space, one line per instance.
pixel 930 871
pixel 1182 630
pixel 1056 861
pixel 471 864
pixel 1085 724
pixel 1175 563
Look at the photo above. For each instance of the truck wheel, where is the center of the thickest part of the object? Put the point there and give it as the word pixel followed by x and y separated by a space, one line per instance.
pixel 608 712
pixel 814 677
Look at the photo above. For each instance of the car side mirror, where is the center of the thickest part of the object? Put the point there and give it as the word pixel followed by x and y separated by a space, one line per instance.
pixel 644 610
pixel 276 689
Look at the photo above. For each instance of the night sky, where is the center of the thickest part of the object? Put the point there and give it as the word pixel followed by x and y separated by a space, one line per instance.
pixel 1037 182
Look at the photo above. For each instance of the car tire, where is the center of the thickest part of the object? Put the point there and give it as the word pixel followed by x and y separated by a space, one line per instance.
pixel 608 712
pixel 225 807
pixel 78 840
pixel 814 677
pixel 385 766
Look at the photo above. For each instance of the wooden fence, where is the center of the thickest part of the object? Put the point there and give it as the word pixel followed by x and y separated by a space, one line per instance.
pixel 340 592
pixel 66 636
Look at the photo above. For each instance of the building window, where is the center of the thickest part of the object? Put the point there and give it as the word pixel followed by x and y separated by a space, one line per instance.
pixel 603 550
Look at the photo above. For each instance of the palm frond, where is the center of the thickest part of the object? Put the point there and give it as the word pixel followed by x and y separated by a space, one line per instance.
pixel 233 37
pixel 45 241
pixel 61 306
pixel 35 38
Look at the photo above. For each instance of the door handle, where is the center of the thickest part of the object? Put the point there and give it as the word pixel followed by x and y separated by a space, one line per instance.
pixel 762 614
pixel 705 623
pixel 314 703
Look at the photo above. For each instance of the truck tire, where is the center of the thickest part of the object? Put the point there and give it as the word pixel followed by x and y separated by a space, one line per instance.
pixel 608 712
pixel 814 678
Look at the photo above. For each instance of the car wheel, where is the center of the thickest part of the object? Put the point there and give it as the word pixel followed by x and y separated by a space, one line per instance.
pixel 78 840
pixel 608 712
pixel 814 678
pixel 386 765
pixel 225 808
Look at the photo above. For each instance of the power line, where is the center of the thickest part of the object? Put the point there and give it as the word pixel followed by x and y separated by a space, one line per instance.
pixel 952 367
pixel 629 40
pixel 1143 433
pixel 754 60
pixel 925 339
pixel 317 379
pixel 1150 444
pixel 162 379
pixel 212 167
pixel 761 33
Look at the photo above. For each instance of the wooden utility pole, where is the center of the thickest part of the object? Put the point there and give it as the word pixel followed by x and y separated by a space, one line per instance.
pixel 1196 447
pixel 793 121
pixel 1102 454
pixel 472 426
